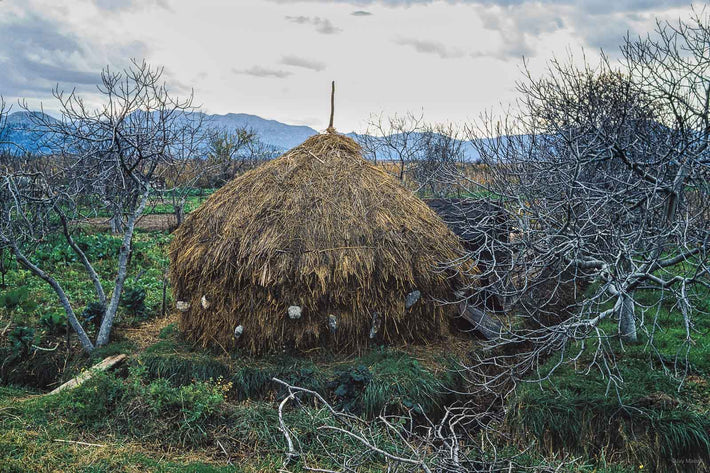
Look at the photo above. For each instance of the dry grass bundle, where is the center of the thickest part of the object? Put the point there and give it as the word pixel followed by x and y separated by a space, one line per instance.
pixel 319 228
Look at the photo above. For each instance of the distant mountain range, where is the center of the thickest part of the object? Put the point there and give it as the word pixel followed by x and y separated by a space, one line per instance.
pixel 19 134
pixel 275 133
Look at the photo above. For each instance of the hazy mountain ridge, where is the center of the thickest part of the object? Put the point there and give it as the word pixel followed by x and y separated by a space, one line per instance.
pixel 19 137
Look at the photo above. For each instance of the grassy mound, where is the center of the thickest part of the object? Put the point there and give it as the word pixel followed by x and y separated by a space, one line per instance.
pixel 381 379
pixel 653 425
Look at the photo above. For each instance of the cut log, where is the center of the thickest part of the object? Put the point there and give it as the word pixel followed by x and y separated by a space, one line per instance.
pixel 106 364
pixel 486 325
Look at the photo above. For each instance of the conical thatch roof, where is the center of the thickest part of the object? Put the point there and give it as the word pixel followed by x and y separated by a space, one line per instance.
pixel 322 229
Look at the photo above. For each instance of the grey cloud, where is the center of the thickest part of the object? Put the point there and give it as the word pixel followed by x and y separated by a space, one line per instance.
pixel 516 27
pixel 122 5
pixel 60 74
pixel 430 47
pixel 323 25
pixel 35 55
pixel 599 23
pixel 114 5
pixel 259 71
pixel 304 63
pixel 592 6
pixel 606 33
pixel 361 13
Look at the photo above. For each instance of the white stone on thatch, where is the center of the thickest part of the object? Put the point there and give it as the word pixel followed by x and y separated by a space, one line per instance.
pixel 182 306
pixel 294 312
pixel 376 323
pixel 411 299
pixel 238 331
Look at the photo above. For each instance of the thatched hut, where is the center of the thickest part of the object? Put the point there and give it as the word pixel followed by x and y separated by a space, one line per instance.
pixel 316 248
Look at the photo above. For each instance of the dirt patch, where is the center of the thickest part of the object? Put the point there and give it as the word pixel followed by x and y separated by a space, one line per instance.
pixel 150 223
pixel 148 333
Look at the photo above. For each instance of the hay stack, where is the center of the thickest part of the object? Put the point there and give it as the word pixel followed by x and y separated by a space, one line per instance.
pixel 322 229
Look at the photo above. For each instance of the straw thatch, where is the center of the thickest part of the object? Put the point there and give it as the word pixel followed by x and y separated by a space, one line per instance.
pixel 322 229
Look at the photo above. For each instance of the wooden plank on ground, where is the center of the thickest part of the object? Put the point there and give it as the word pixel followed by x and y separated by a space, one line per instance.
pixel 486 325
pixel 104 365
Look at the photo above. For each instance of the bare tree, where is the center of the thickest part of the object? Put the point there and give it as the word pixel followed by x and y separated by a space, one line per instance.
pixel 426 154
pixel 397 138
pixel 109 158
pixel 229 153
pixel 4 111
pixel 179 177
pixel 441 154
pixel 213 158
pixel 603 176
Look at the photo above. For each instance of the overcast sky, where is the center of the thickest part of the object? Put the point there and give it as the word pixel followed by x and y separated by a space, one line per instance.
pixel 451 59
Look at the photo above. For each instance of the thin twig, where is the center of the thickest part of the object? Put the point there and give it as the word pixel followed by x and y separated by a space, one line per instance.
pixel 80 443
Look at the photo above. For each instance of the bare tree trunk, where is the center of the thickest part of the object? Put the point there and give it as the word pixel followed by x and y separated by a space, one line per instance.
pixel 117 223
pixel 627 321
pixel 71 316
pixel 123 257
pixel 179 214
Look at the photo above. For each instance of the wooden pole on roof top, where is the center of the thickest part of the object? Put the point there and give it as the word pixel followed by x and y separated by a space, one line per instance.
pixel 332 108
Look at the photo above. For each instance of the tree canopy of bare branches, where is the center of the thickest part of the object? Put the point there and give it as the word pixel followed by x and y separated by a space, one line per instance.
pixel 426 153
pixel 599 190
pixel 602 173
pixel 106 160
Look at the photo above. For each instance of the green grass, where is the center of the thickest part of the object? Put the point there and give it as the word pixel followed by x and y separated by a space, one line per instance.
pixel 162 204
pixel 396 380
pixel 401 382
pixel 132 414
pixel 655 420
pixel 167 409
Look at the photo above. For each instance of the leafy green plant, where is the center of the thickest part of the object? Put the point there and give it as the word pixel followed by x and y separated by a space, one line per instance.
pixel 133 299
pixel 21 340
pixel 54 322
pixel 348 386
pixel 17 298
pixel 93 313
pixel 99 246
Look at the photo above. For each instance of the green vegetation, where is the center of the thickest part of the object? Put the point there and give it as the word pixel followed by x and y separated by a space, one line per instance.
pixel 172 405
pixel 161 204
pixel 383 378
pixel 657 417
